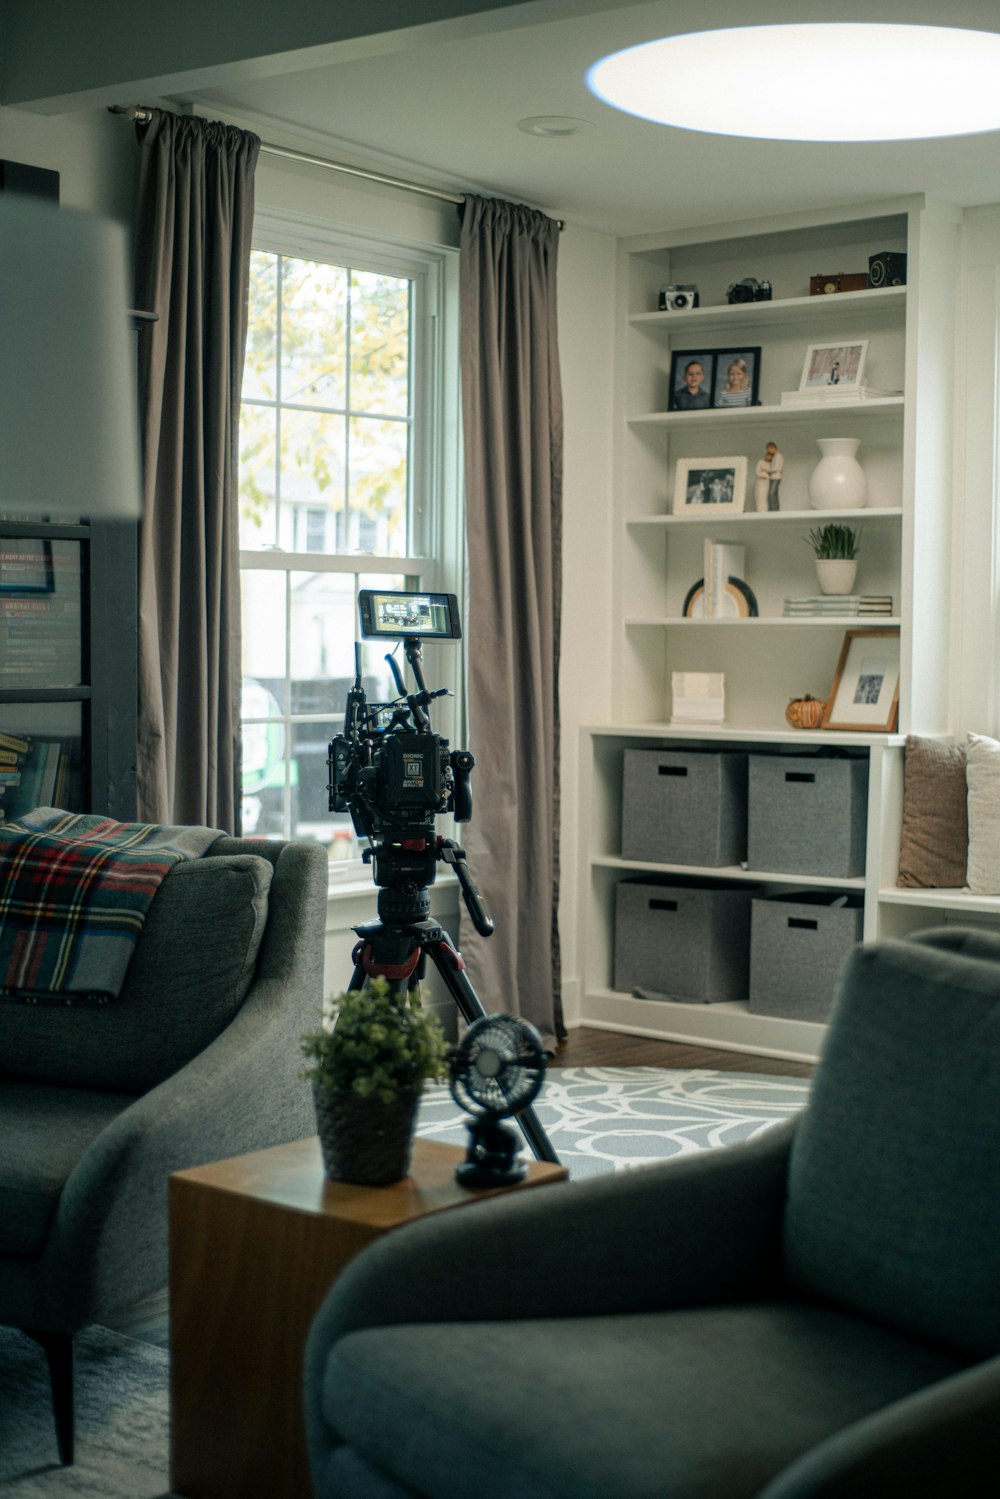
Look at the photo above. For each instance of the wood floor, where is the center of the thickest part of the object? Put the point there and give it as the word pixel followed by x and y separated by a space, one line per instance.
pixel 589 1047
pixel 585 1047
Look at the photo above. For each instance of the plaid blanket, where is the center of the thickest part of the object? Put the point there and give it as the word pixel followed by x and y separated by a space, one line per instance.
pixel 74 892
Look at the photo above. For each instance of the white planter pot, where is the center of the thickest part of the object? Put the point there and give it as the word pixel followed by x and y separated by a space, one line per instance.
pixel 836 574
pixel 838 481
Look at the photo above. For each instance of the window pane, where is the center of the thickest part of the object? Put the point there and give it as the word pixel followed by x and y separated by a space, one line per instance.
pixel 311 817
pixel 260 371
pixel 313 477
pixel 264 636
pixel 323 629
pixel 258 515
pixel 313 333
pixel 378 486
pixel 380 344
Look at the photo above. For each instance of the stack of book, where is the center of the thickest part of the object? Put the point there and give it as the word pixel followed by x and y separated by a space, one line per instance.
pixel 826 395
pixel 860 604
pixel 33 773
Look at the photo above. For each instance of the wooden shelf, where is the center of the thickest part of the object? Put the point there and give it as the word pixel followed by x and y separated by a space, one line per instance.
pixel 729 872
pixel 694 516
pixel 843 306
pixel 757 416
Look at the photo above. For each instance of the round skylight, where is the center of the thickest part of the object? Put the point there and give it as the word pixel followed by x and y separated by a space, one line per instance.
pixel 824 82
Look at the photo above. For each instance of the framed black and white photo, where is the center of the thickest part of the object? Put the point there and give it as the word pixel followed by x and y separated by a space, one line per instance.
pixel 719 482
pixel 737 377
pixel 692 373
pixel 26 565
pixel 865 691
pixel 834 366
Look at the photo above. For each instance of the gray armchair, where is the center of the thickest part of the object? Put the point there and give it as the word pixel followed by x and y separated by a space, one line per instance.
pixel 196 1060
pixel 816 1313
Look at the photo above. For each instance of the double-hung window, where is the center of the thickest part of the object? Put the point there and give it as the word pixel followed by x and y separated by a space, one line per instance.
pixel 348 480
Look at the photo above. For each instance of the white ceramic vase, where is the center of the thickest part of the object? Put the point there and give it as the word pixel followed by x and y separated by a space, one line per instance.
pixel 838 481
pixel 836 574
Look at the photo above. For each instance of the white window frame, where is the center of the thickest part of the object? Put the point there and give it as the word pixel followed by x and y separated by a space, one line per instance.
pixel 436 521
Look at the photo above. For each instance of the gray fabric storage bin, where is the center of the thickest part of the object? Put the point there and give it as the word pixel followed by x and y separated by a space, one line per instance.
pixel 798 945
pixel 685 806
pixel 807 814
pixel 686 940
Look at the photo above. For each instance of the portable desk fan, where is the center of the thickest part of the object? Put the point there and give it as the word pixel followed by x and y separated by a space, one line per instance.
pixel 497 1069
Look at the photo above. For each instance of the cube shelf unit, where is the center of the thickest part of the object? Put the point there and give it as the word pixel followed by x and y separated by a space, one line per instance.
pixel 906 451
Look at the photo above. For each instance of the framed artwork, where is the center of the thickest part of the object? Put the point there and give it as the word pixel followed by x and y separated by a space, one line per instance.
pixel 865 691
pixel 737 378
pixel 719 482
pixel 26 565
pixel 692 376
pixel 834 366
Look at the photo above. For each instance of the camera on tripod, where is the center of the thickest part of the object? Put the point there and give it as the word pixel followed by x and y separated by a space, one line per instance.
pixel 393 773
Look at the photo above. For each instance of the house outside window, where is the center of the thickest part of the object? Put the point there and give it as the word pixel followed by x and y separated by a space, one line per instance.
pixel 348 480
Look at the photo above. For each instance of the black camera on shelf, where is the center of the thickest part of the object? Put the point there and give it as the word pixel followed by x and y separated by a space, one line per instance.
pixel 749 290
pixel 678 297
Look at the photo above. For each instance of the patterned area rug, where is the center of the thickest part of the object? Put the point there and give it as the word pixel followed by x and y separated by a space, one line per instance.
pixel 613 1118
pixel 121 1420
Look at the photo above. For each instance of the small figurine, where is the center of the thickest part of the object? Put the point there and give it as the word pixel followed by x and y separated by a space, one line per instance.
pixel 769 470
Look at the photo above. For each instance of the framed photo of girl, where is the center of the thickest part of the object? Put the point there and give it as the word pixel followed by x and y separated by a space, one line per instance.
pixel 737 377
pixel 865 691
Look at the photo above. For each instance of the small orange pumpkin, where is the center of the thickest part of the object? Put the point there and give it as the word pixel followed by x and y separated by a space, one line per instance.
pixel 805 712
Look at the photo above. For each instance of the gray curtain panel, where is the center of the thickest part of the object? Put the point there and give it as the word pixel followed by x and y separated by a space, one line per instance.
pixel 512 419
pixel 193 231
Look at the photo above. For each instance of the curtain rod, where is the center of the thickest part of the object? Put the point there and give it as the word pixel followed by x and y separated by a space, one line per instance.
pixel 143 116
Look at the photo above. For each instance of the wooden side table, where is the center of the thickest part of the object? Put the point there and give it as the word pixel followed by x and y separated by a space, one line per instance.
pixel 255 1243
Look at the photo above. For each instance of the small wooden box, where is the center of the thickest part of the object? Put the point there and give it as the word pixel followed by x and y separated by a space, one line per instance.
pixel 825 285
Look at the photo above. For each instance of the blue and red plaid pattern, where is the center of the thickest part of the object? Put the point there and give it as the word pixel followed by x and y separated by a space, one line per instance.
pixel 74 893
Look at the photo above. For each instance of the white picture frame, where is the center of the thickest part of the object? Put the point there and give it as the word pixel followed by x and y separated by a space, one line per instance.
pixel 718 484
pixel 836 366
pixel 865 691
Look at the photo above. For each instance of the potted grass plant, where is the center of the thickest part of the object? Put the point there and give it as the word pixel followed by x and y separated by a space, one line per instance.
pixel 368 1062
pixel 835 549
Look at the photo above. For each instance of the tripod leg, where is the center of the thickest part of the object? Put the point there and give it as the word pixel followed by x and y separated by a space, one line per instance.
pixel 470 1008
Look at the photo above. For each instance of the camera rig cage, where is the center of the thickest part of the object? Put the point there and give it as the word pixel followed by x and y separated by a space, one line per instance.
pixel 395 776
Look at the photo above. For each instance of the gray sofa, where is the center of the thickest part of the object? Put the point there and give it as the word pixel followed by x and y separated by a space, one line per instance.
pixel 197 1059
pixel 816 1313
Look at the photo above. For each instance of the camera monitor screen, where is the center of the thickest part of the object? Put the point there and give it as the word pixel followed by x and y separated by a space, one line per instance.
pixel 401 614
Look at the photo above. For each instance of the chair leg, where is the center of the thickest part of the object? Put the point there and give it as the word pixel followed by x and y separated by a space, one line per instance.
pixel 58 1349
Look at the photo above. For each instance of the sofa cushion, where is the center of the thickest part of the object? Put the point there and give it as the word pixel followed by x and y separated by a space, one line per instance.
pixel 190 973
pixel 983 779
pixel 894 1182
pixel 45 1132
pixel 707 1401
pixel 934 840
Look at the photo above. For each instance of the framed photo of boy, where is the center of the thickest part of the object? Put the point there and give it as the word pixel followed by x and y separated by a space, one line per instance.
pixel 719 482
pixel 834 366
pixel 737 377
pixel 692 372
pixel 865 691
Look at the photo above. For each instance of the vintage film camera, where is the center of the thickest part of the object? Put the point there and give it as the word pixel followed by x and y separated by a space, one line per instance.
pixel 887 268
pixel 749 290
pixel 677 297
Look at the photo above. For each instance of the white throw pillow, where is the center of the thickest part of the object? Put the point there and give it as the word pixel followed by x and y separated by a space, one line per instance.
pixel 982 775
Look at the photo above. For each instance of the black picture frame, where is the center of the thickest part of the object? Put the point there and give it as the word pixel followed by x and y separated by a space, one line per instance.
pixel 682 397
pixel 736 383
pixel 26 565
pixel 715 390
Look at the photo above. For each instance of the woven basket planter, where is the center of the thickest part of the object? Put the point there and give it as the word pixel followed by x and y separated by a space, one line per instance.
pixel 365 1141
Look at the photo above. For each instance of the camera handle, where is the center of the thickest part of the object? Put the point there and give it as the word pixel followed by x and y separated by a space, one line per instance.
pixel 450 853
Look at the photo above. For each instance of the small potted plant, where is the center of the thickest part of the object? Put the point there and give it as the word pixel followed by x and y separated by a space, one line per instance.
pixel 368 1063
pixel 835 549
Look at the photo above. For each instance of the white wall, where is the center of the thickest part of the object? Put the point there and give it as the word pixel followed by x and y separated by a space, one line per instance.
pixel 94 152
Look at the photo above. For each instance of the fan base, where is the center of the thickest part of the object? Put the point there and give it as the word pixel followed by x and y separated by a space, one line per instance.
pixel 482 1174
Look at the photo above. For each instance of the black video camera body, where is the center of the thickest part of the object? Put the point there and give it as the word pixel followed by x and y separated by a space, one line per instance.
pixel 396 782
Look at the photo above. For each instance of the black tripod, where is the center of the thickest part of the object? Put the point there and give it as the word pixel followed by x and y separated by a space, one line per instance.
pixel 396 946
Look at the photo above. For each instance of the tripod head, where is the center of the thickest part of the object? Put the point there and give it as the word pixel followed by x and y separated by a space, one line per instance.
pixel 395 775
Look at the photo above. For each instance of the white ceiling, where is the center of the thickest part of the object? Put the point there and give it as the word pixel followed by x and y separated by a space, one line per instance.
pixel 444 111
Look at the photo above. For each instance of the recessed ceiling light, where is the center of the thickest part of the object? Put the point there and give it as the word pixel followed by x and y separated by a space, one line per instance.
pixel 554 125
pixel 823 82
